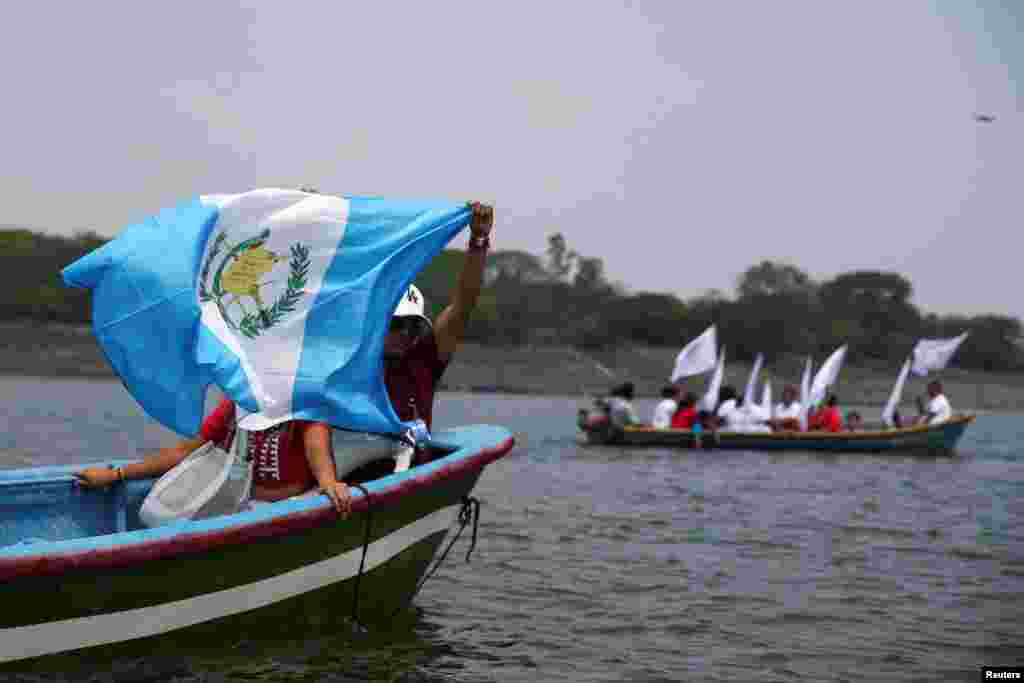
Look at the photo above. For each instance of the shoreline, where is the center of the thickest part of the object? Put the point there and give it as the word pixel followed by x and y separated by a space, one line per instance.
pixel 70 352
pixel 513 392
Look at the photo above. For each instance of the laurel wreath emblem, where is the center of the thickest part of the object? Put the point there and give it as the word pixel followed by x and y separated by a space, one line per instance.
pixel 253 324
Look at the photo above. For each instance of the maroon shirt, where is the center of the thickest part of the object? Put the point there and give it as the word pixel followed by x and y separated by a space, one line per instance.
pixel 415 376
pixel 278 453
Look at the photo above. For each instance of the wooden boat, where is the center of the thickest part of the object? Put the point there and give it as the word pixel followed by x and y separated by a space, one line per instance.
pixel 931 438
pixel 78 570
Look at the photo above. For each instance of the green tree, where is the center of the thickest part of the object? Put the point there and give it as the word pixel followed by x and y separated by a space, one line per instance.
pixel 516 267
pixel 879 302
pixel 772 279
pixel 560 258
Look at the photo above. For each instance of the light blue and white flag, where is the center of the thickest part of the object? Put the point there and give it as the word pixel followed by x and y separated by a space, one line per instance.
pixel 281 298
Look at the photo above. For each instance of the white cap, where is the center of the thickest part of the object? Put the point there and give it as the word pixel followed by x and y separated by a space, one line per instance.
pixel 411 304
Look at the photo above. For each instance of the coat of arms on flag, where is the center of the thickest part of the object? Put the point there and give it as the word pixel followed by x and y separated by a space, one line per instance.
pixel 233 273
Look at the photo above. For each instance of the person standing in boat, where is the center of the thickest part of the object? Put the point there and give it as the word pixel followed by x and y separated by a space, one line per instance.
pixel 293 456
pixel 938 408
pixel 787 413
pixel 666 408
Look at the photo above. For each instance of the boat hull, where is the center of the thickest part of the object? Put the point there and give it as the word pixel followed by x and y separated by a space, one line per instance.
pixel 256 574
pixel 941 438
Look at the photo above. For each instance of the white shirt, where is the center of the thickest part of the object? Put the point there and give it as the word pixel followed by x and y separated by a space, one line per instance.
pixel 736 419
pixel 755 414
pixel 663 413
pixel 620 412
pixel 787 412
pixel 940 409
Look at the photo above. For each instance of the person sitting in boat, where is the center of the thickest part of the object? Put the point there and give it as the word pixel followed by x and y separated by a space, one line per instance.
pixel 620 406
pixel 827 418
pixel 685 416
pixel 666 408
pixel 706 421
pixel 854 421
pixel 416 354
pixel 731 415
pixel 288 459
pixel 787 413
pixel 938 408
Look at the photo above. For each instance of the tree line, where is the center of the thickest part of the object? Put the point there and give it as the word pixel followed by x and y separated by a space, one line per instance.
pixel 564 297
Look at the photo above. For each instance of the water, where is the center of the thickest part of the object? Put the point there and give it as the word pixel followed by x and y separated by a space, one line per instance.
pixel 613 564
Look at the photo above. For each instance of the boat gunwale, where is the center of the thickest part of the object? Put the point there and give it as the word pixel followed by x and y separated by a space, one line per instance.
pixel 122 549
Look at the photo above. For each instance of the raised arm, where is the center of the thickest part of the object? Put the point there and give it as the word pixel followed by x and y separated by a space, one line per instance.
pixel 450 326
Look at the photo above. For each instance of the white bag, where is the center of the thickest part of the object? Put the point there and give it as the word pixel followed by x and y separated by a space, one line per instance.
pixel 208 482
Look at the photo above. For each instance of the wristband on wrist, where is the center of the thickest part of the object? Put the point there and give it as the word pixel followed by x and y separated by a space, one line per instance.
pixel 479 242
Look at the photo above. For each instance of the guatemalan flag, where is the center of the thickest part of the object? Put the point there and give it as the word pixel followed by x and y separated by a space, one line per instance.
pixel 281 298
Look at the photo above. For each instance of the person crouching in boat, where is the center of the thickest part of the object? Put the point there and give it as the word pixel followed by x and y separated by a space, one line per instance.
pixel 828 418
pixel 787 413
pixel 293 456
pixel 666 408
pixel 938 408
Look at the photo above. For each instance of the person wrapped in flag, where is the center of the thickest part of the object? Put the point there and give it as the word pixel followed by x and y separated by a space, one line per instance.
pixel 282 299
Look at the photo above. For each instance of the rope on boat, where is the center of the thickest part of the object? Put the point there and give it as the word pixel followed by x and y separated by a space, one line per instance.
pixel 470 512
pixel 362 561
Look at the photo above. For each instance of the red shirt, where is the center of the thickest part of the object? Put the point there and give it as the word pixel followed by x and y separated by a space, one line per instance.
pixel 278 453
pixel 684 418
pixel 826 420
pixel 415 376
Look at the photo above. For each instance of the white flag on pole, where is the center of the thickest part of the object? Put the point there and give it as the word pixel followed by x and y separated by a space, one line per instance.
pixel 697 357
pixel 827 375
pixel 934 354
pixel 748 393
pixel 894 397
pixel 710 400
pixel 805 398
pixel 766 400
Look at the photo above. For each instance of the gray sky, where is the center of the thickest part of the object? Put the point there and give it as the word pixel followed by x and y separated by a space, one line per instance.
pixel 679 141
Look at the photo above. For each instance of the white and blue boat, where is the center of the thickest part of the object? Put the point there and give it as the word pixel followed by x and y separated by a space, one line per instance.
pixel 78 569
